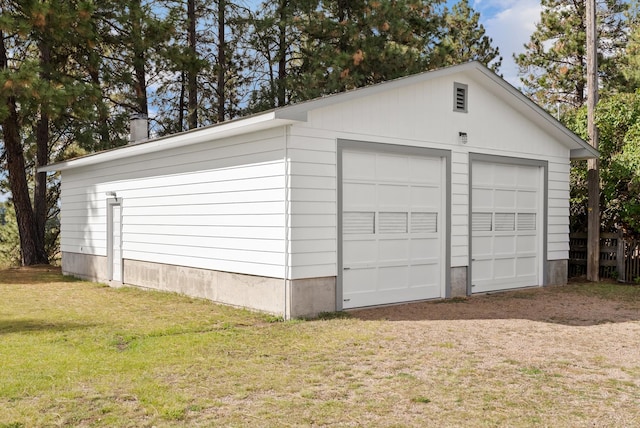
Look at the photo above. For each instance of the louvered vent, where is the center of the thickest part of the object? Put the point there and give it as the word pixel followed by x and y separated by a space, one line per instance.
pixel 358 222
pixel 392 222
pixel 460 97
pixel 526 221
pixel 424 222
pixel 481 222
pixel 505 222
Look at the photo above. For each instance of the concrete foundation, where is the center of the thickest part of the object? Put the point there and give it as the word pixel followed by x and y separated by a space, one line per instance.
pixel 311 296
pixel 557 272
pixel 290 299
pixel 459 282
pixel 85 266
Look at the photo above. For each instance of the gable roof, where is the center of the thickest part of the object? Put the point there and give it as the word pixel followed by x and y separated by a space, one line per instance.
pixel 298 113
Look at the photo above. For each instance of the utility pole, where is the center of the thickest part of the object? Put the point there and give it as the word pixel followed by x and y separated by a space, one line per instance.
pixel 593 173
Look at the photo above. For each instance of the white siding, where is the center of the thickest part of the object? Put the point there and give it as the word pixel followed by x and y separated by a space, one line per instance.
pixel 558 215
pixel 216 206
pixel 313 205
pixel 459 209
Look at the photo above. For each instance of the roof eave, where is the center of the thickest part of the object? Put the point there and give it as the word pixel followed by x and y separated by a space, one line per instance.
pixel 584 153
pixel 255 123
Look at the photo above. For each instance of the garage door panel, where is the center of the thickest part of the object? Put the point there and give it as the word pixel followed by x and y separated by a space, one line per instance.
pixel 424 170
pixel 526 266
pixel 393 250
pixel 482 199
pixel 393 277
pixel 393 196
pixel 482 269
pixel 482 174
pixel 527 177
pixel 361 251
pixel 504 199
pixel 401 205
pixel 392 168
pixel 361 223
pixel 503 174
pixel 482 246
pixel 504 268
pixel 393 222
pixel 424 275
pixel 424 248
pixel 425 197
pixel 363 280
pixel 504 245
pixel 358 196
pixel 506 242
pixel 527 200
pixel 526 244
pixel 358 166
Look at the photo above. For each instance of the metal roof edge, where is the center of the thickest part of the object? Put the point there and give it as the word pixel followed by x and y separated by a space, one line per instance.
pixel 248 124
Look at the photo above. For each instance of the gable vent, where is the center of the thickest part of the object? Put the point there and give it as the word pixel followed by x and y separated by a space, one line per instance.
pixel 460 97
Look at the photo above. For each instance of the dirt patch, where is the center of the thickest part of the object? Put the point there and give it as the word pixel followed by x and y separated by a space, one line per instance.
pixel 558 305
pixel 553 356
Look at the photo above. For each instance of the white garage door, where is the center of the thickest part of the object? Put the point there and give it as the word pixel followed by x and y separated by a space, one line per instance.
pixel 506 227
pixel 392 228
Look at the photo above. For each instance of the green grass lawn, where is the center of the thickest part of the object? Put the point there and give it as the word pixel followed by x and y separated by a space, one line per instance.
pixel 74 353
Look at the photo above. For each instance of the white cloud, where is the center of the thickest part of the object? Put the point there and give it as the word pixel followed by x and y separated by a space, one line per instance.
pixel 510 24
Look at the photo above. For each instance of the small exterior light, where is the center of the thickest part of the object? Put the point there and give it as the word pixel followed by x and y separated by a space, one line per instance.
pixel 112 194
pixel 462 137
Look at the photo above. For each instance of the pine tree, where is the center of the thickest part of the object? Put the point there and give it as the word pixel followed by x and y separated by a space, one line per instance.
pixel 466 40
pixel 553 66
pixel 350 44
pixel 41 84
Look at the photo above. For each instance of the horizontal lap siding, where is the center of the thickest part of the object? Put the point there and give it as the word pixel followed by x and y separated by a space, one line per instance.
pixel 214 206
pixel 459 209
pixel 313 204
pixel 558 200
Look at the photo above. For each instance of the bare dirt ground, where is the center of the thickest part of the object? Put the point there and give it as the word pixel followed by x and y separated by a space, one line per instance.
pixel 557 305
pixel 553 356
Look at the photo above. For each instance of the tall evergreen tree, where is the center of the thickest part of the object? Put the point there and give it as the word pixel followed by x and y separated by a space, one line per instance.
pixel 553 66
pixel 310 48
pixel 40 85
pixel 350 44
pixel 465 38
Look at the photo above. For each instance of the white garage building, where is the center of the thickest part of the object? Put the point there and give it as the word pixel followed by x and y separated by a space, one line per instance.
pixel 441 184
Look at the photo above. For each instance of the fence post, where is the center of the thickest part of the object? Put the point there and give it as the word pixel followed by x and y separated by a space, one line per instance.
pixel 620 258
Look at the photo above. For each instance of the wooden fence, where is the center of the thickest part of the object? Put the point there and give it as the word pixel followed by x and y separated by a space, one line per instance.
pixel 619 257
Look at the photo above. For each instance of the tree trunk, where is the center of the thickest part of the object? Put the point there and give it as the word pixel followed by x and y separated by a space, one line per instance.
pixel 103 111
pixel 31 249
pixel 222 61
pixel 192 115
pixel 181 105
pixel 139 58
pixel 282 55
pixel 40 206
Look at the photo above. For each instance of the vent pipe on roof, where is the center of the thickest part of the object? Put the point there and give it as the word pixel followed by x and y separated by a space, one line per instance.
pixel 138 128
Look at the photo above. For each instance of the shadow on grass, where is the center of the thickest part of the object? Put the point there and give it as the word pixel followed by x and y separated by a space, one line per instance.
pixel 42 274
pixel 35 325
pixel 573 305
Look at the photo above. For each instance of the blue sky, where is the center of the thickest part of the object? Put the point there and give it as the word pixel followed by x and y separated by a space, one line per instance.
pixel 509 23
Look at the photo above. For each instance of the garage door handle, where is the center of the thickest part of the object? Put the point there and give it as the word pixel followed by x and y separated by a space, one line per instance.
pixel 347 268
